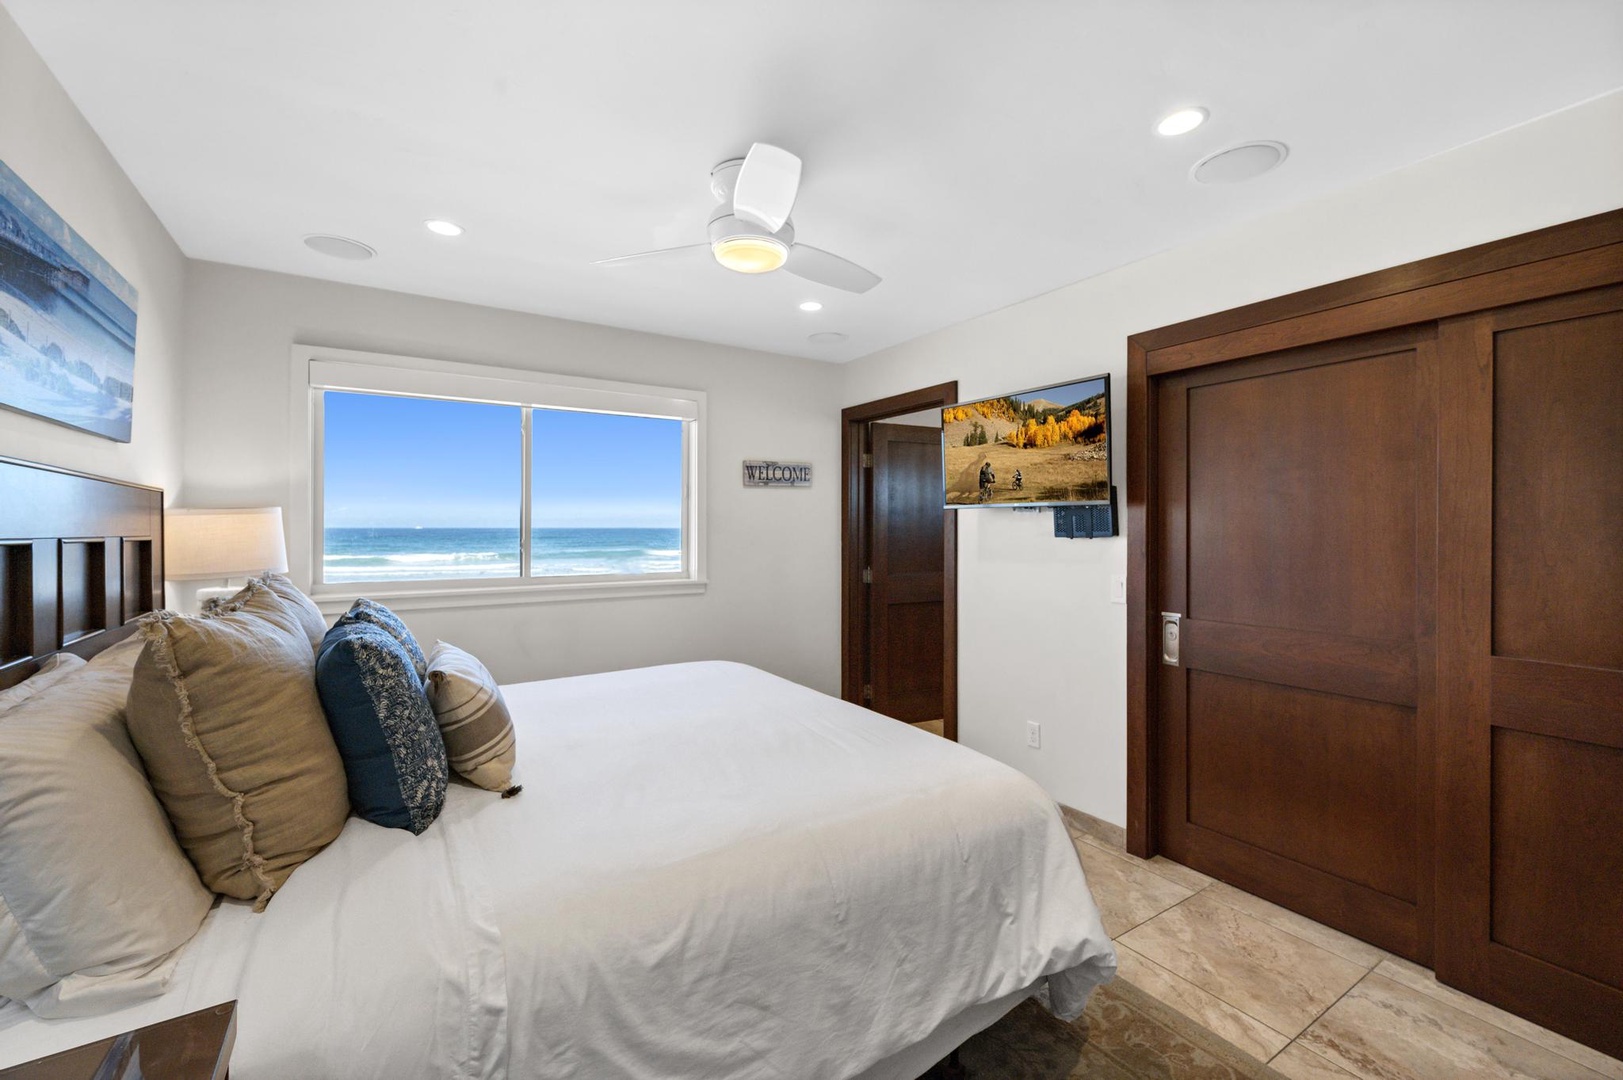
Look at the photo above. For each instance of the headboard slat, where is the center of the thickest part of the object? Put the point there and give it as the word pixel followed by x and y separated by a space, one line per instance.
pixel 17 591
pixel 81 557
pixel 44 597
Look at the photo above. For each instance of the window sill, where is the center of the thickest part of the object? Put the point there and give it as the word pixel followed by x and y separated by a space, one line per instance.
pixel 418 596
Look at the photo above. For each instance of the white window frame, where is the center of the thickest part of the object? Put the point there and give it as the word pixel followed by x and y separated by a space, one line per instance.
pixel 317 369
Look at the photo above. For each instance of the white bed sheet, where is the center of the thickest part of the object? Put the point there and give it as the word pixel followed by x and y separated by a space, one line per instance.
pixel 711 872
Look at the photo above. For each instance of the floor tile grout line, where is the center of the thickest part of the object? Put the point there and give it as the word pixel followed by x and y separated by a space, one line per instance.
pixel 1307 1048
pixel 1143 864
pixel 1369 969
pixel 1154 915
pixel 1149 918
pixel 1443 999
pixel 1148 868
pixel 1218 997
pixel 1359 982
pixel 1299 937
pixel 1217 896
pixel 1220 1000
pixel 1449 1005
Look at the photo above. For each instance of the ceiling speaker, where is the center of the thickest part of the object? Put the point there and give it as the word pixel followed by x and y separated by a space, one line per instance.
pixel 1239 163
pixel 339 247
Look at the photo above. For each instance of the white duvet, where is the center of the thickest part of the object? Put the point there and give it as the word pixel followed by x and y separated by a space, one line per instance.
pixel 711 873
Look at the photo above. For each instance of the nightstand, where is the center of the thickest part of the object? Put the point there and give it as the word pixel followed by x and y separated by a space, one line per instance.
pixel 196 1046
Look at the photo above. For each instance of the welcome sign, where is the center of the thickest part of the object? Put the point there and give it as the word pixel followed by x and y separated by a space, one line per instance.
pixel 777 474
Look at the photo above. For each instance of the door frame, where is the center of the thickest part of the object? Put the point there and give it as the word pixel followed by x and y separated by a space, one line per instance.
pixel 1577 254
pixel 855 496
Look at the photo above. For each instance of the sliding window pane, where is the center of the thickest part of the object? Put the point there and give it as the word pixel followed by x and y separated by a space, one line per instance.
pixel 606 494
pixel 417 489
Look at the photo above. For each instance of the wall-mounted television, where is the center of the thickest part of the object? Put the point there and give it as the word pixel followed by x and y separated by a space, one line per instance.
pixel 1044 447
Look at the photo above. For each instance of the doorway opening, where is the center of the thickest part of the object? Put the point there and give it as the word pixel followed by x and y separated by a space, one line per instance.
pixel 899 561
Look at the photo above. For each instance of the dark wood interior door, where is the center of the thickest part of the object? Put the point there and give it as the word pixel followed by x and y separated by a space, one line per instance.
pixel 905 657
pixel 1530 881
pixel 1295 730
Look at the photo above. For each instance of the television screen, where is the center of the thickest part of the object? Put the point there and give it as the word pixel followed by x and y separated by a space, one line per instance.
pixel 1043 447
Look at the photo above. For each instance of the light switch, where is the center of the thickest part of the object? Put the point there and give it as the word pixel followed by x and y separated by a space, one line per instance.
pixel 1118 589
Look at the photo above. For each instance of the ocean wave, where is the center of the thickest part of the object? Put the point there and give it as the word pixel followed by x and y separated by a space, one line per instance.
pixel 418 573
pixel 433 554
pixel 422 557
pixel 569 549
pixel 557 567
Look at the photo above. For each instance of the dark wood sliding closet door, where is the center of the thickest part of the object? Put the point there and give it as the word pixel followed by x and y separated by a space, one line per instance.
pixel 1530 884
pixel 1296 725
pixel 1389 512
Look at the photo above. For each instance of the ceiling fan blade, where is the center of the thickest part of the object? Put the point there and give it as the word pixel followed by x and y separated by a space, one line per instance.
pixel 650 254
pixel 815 264
pixel 767 185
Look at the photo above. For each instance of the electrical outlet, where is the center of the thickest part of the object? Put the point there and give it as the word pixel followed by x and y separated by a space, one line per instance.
pixel 1034 734
pixel 1118 589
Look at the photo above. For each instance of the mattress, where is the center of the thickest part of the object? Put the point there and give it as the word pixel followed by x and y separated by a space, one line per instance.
pixel 711 872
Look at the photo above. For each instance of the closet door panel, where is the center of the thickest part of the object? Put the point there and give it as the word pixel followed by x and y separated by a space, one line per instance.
pixel 1295 730
pixel 1530 884
pixel 1552 899
pixel 1558 491
pixel 1331 758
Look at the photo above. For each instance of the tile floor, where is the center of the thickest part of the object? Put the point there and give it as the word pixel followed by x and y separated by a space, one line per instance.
pixel 1312 1002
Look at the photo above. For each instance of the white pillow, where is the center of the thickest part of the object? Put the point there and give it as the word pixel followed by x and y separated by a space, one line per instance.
pixel 53 670
pixel 96 896
pixel 122 656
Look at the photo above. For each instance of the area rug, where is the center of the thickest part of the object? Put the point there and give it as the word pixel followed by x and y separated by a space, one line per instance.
pixel 1124 1035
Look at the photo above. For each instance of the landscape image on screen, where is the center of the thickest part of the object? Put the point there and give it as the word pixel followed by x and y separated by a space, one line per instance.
pixel 1043 446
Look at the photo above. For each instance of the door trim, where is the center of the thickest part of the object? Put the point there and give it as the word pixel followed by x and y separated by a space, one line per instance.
pixel 854 496
pixel 1577 254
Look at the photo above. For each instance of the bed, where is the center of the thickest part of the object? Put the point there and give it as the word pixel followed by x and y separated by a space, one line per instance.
pixel 711 872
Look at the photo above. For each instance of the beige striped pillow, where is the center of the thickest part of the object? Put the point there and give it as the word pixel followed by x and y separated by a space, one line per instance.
pixel 473 718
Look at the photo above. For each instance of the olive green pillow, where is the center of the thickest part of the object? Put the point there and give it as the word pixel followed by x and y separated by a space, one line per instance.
pixel 309 616
pixel 224 712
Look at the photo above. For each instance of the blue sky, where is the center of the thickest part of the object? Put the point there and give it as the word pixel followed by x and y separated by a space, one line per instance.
pixel 1067 394
pixel 396 462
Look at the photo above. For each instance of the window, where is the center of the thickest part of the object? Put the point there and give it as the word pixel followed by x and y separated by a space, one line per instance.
pixel 429 478
pixel 606 494
pixel 420 489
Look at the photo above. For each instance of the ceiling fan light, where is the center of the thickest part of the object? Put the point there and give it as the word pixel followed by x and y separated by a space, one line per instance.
pixel 750 254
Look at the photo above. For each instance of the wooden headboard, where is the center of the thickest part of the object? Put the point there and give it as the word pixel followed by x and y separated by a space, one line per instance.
pixel 81 557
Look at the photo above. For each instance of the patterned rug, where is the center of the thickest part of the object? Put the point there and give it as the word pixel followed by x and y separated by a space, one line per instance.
pixel 1124 1035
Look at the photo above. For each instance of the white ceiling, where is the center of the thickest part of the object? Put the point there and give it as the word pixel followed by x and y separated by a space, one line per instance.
pixel 972 153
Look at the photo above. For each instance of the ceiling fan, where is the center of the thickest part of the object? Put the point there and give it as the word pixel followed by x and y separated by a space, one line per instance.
pixel 750 230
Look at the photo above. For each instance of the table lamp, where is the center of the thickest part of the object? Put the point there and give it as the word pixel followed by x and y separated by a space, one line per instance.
pixel 223 544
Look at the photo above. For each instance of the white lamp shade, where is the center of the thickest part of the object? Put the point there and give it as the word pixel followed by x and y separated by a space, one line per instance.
pixel 222 543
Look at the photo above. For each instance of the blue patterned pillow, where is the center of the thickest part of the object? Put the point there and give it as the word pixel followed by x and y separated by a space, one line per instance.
pixel 394 757
pixel 370 611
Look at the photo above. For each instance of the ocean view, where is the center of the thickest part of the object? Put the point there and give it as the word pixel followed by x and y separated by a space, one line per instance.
pixel 428 553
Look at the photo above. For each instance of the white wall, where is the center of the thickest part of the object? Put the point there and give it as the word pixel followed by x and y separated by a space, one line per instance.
pixel 50 146
pixel 1073 672
pixel 773 598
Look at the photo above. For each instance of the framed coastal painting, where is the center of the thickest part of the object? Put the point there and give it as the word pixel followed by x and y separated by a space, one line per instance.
pixel 67 320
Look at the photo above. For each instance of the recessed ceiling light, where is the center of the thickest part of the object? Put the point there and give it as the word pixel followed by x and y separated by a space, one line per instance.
pixel 810 305
pixel 1182 122
pixel 1239 163
pixel 444 228
pixel 826 337
pixel 339 247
